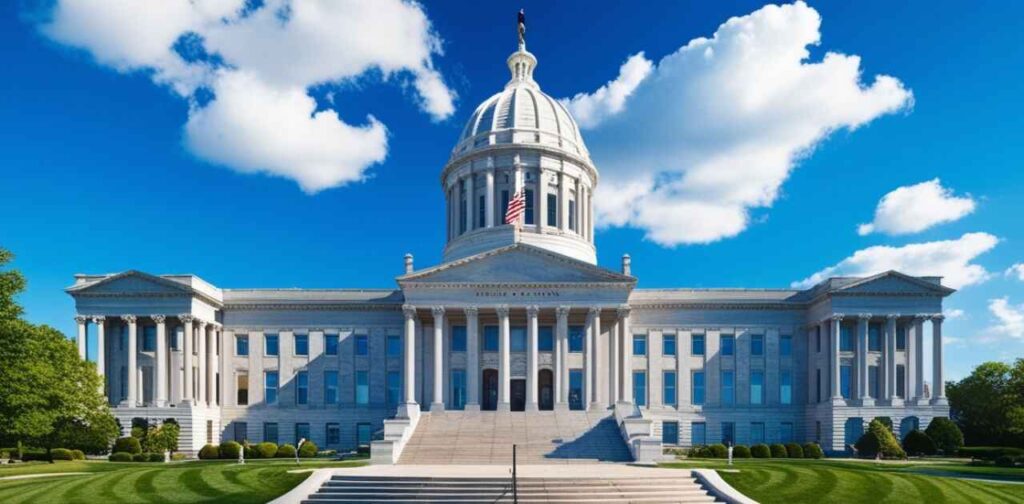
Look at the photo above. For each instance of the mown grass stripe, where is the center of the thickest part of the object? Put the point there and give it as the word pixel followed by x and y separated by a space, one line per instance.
pixel 998 491
pixel 193 480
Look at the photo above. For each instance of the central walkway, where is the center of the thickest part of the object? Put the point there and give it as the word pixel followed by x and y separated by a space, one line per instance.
pixel 542 437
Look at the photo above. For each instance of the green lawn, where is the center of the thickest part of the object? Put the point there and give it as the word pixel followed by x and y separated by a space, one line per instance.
pixel 798 481
pixel 185 482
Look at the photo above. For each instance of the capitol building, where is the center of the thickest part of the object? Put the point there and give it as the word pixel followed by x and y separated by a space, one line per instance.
pixel 518 325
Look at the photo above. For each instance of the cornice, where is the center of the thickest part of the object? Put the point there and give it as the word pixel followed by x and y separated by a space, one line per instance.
pixel 313 307
pixel 716 306
pixel 609 285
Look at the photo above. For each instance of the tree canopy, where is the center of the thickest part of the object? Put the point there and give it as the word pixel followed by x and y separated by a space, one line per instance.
pixel 988 405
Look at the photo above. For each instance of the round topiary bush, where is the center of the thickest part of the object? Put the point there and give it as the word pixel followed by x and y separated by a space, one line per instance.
pixel 61 454
pixel 230 450
pixel 718 450
pixel 140 457
pixel 120 457
pixel 813 451
pixel 78 454
pixel 760 450
pixel 868 445
pixel 155 457
pixel 918 443
pixel 266 449
pixel 250 452
pixel 209 452
pixel 946 434
pixel 740 451
pixel 308 449
pixel 127 445
pixel 285 451
pixel 778 450
pixel 794 451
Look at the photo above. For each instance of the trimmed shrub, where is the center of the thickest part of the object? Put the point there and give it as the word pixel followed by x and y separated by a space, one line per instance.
pixel 918 443
pixel 285 451
pixel 155 457
pixel 77 455
pixel 140 457
pixel 946 434
pixel 740 451
pixel 209 452
pixel 308 449
pixel 761 451
pixel 34 455
pixel 778 450
pixel 250 452
pixel 794 451
pixel 718 451
pixel 990 452
pixel 61 454
pixel 178 456
pixel 888 446
pixel 1006 461
pixel 127 445
pixel 266 449
pixel 886 421
pixel 120 457
pixel 229 450
pixel 813 451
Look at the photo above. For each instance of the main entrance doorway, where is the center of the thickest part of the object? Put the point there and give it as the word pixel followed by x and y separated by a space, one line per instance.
pixel 546 399
pixel 490 390
pixel 518 394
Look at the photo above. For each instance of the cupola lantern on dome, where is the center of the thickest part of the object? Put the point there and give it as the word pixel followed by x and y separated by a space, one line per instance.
pixel 520 139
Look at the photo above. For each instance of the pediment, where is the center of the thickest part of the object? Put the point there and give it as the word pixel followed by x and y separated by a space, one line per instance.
pixel 894 283
pixel 132 283
pixel 516 264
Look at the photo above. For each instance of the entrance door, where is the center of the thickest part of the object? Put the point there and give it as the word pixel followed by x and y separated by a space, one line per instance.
pixel 546 399
pixel 518 391
pixel 490 390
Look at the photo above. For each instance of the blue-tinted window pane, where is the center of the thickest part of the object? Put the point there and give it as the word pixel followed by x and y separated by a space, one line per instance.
pixel 668 345
pixel 757 387
pixel 670 433
pixel 241 345
pixel 364 434
pixel 362 387
pixel 270 387
pixel 458 338
pixel 669 388
pixel 330 387
pixel 576 389
pixel 786 387
pixel 394 387
pixel 846 338
pixel 362 345
pixel 545 339
pixel 458 396
pixel 698 387
pixel 698 433
pixel 301 432
pixel 332 432
pixel 786 432
pixel 270 344
pixel 302 388
pixel 639 344
pixel 528 217
pixel 875 337
pixel 757 344
pixel 517 339
pixel 901 338
pixel 575 338
pixel 873 382
pixel 728 387
pixel 394 345
pixel 148 338
pixel 270 432
pixel 331 344
pixel 728 344
pixel 786 345
pixel 301 344
pixel 491 338
pixel 728 433
pixel 756 433
pixel 844 380
pixel 697 344
pixel 640 388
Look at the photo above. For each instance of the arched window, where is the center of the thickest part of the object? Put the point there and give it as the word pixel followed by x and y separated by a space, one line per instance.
pixel 909 424
pixel 853 431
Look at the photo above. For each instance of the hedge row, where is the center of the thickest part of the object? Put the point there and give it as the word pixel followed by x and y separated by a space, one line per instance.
pixel 136 457
pixel 230 449
pixel 777 450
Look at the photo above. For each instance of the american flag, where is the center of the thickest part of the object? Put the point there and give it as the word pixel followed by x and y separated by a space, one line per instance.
pixel 516 207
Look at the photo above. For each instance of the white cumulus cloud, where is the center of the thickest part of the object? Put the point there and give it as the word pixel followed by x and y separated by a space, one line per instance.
pixel 714 129
pixel 259 63
pixel 1017 270
pixel 1009 318
pixel 914 208
pixel 954 313
pixel 950 259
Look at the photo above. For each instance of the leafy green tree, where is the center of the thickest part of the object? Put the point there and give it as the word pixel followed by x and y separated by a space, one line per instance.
pixel 946 434
pixel 988 405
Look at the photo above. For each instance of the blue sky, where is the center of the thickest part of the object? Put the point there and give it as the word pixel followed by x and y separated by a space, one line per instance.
pixel 99 174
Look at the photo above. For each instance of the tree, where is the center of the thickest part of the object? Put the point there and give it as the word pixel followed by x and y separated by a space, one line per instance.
pixel 946 434
pixel 878 440
pixel 988 405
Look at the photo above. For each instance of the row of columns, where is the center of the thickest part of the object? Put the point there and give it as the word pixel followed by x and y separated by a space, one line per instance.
pixel 619 339
pixel 887 369
pixel 203 358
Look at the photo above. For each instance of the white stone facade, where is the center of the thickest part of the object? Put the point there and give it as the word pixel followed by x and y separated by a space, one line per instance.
pixel 515 318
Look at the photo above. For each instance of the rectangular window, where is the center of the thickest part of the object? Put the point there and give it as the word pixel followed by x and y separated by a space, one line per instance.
pixel 481 210
pixel 757 433
pixel 301 344
pixel 728 433
pixel 458 343
pixel 332 432
pixel 845 338
pixel 301 433
pixel 576 389
pixel 785 345
pixel 817 431
pixel 463 214
pixel 786 387
pixel 242 389
pixel 517 339
pixel 818 395
pixel 302 387
pixel 528 217
pixel 545 339
pixel 901 380
pixel 844 380
pixel 148 338
pixel 331 344
pixel 670 433
pixel 270 344
pixel 901 338
pixel 697 344
pixel 728 343
pixel 270 432
pixel 873 382
pixel 668 345
pixel 640 344
pixel 757 344
pixel 362 387
pixel 757 387
pixel 728 387
pixel 362 345
pixel 668 390
pixel 552 210
pixel 490 338
pixel 241 345
pixel 572 215
pixel 270 387
pixel 241 432
pixel 330 387
pixel 458 397
pixel 640 388
pixel 394 387
pixel 786 432
pixel 817 338
pixel 364 434
pixel 698 388
pixel 875 337
pixel 394 345
pixel 504 204
pixel 698 434
pixel 576 339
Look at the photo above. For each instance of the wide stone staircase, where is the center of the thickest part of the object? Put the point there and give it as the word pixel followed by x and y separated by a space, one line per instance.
pixel 541 437
pixel 392 489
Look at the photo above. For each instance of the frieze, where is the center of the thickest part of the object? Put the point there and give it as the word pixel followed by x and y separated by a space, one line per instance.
pixel 520 294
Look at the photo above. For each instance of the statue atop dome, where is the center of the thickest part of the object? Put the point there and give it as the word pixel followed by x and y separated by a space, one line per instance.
pixel 522 29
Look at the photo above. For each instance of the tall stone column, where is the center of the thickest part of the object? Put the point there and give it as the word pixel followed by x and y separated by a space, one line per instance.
pixel 211 364
pixel 186 358
pixel 910 356
pixel 470 205
pixel 835 330
pixel 489 196
pixel 561 357
pixel 597 397
pixel 504 378
pixel 411 408
pixel 613 362
pixel 938 386
pixel 438 402
pixel 82 320
pixel 472 358
pixel 588 358
pixel 919 358
pixel 627 354
pixel 133 361
pixel 101 352
pixel 201 398
pixel 862 359
pixel 593 356
pixel 161 360
pixel 532 328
